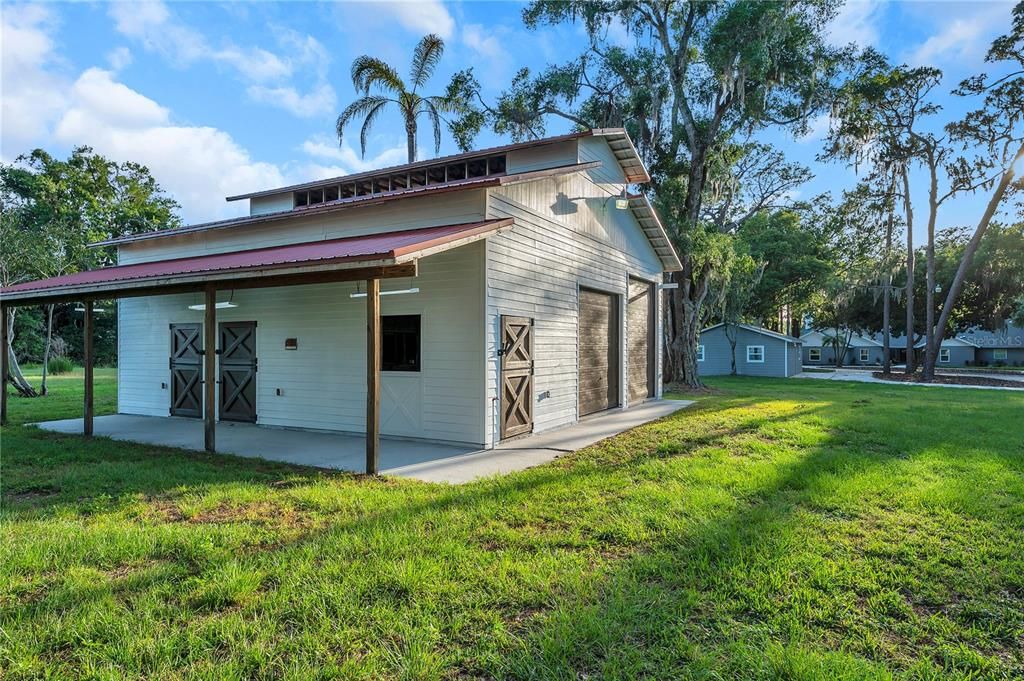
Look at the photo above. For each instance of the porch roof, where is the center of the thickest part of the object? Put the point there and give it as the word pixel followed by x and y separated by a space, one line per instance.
pixel 375 255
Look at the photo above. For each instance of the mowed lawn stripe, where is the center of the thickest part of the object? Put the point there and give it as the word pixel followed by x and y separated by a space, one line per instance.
pixel 794 529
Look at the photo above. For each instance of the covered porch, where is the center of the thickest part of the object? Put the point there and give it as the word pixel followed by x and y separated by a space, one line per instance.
pixel 428 461
pixel 366 259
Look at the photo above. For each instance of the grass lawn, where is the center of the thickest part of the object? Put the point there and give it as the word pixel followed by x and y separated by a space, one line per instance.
pixel 779 529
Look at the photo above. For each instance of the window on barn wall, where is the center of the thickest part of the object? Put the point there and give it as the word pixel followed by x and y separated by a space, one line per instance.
pixel 944 355
pixel 999 354
pixel 814 354
pixel 755 354
pixel 865 355
pixel 400 342
pixel 700 353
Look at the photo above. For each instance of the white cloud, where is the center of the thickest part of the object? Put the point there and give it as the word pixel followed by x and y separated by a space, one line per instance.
pixel 198 165
pixel 33 92
pixel 423 16
pixel 476 37
pixel 270 76
pixel 119 57
pixel 817 129
pixel 857 22
pixel 963 39
pixel 348 159
pixel 321 100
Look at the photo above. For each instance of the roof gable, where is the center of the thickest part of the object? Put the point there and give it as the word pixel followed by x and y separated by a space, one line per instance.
pixel 757 329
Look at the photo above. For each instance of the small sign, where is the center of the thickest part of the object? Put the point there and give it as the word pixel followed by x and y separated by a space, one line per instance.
pixel 291 343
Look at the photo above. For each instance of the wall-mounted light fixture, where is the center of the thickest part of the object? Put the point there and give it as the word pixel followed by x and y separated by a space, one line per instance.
pixel 664 287
pixel 621 200
pixel 361 294
pixel 95 309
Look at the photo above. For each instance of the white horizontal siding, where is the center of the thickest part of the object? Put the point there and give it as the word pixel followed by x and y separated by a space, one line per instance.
pixel 260 205
pixel 410 213
pixel 535 270
pixel 324 381
pixel 544 156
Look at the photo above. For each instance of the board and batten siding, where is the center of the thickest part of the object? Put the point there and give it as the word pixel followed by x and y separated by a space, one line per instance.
pixel 403 214
pixel 323 382
pixel 535 270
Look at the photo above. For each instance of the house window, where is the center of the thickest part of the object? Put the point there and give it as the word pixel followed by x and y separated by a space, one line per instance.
pixel 865 355
pixel 999 353
pixel 400 342
pixel 755 354
pixel 944 355
pixel 813 354
pixel 700 353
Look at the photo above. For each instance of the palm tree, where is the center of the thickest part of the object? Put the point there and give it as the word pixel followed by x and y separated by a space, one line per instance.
pixel 372 73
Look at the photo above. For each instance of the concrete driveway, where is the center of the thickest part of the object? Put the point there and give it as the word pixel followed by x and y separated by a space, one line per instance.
pixel 432 462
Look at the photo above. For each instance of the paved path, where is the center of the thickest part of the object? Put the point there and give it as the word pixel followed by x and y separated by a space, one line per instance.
pixel 862 376
pixel 433 462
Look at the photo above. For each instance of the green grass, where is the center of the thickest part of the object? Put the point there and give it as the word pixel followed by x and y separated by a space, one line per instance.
pixel 779 529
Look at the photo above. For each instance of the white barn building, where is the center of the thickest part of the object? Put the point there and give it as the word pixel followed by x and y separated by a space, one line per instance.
pixel 518 292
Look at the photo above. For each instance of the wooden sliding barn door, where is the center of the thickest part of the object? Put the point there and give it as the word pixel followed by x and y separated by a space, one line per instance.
pixel 516 376
pixel 187 370
pixel 238 371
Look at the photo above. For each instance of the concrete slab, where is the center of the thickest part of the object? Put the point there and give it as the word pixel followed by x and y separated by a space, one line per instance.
pixel 862 376
pixel 433 462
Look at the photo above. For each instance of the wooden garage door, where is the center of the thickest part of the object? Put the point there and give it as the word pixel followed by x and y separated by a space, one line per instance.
pixel 238 371
pixel 599 352
pixel 639 315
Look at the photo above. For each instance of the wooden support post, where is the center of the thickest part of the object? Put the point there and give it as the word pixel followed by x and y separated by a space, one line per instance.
pixel 372 376
pixel 4 369
pixel 88 359
pixel 210 371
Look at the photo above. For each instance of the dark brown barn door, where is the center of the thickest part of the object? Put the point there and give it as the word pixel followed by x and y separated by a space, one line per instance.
pixel 238 371
pixel 599 352
pixel 516 376
pixel 187 370
pixel 639 321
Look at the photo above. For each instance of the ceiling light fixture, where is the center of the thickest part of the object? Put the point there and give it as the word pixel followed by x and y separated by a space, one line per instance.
pixel 218 306
pixel 386 293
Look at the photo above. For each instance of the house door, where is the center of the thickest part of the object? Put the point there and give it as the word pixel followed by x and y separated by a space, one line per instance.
pixel 186 365
pixel 516 376
pixel 639 320
pixel 238 371
pixel 598 351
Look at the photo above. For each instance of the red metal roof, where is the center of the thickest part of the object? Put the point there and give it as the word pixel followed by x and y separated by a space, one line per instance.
pixel 372 248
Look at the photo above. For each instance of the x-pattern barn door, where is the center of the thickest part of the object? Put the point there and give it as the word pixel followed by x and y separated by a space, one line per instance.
pixel 238 371
pixel 186 370
pixel 516 376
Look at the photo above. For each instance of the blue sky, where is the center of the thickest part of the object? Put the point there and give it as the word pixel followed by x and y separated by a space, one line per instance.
pixel 223 98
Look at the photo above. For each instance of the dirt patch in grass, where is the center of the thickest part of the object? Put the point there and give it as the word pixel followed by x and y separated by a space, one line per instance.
pixel 257 513
pixel 951 380
pixel 31 495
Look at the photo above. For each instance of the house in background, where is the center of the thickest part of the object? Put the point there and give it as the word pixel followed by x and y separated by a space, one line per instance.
pixel 818 349
pixel 1004 347
pixel 466 299
pixel 759 352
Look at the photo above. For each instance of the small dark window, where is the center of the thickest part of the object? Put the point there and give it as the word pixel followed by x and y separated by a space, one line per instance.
pixel 301 199
pixel 364 188
pixel 496 165
pixel 382 184
pixel 348 190
pixel 316 196
pixel 400 181
pixel 435 175
pixel 330 194
pixel 477 168
pixel 400 342
pixel 456 171
pixel 417 178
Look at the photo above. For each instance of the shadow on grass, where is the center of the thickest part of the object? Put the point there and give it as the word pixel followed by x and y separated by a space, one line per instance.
pixel 650 614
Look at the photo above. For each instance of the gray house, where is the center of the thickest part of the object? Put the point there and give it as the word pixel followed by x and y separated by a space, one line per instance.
pixel 818 349
pixel 1004 347
pixel 759 352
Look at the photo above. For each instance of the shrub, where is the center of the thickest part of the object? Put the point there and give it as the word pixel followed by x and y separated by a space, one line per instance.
pixel 59 365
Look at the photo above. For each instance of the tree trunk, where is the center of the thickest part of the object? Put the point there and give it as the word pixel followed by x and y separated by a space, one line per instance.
pixel 46 350
pixel 732 346
pixel 410 139
pixel 930 351
pixel 14 374
pixel 886 306
pixel 909 294
pixel 686 329
pixel 972 246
